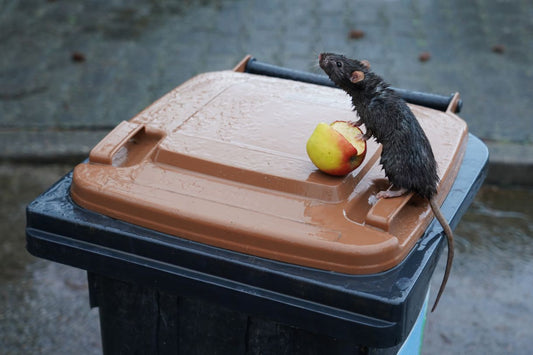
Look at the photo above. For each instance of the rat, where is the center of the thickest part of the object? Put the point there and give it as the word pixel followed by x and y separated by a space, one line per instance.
pixel 406 156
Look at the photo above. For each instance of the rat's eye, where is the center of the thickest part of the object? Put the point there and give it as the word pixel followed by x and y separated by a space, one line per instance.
pixel 339 64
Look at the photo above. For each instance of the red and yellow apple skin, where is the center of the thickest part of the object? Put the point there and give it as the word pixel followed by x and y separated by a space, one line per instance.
pixel 337 148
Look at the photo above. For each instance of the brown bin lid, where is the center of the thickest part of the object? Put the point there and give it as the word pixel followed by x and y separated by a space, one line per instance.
pixel 221 160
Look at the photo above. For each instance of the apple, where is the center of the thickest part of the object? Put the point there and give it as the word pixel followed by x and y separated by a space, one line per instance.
pixel 337 148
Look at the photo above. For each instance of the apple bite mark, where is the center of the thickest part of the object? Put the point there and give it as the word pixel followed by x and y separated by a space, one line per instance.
pixel 352 133
pixel 335 149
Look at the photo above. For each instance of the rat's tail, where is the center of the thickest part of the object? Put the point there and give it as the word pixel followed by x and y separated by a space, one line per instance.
pixel 449 237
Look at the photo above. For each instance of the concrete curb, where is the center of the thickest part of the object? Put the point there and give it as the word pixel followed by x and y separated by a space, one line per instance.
pixel 510 164
pixel 48 147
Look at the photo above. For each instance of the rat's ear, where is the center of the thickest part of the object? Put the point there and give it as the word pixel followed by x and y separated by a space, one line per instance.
pixel 357 76
pixel 366 64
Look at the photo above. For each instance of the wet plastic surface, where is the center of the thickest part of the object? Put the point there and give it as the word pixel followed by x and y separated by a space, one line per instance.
pixel 377 310
pixel 221 160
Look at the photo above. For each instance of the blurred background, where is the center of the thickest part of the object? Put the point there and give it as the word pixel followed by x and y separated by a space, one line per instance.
pixel 70 71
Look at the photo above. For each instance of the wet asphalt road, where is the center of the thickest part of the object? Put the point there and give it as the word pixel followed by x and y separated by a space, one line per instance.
pixel 487 307
pixel 44 306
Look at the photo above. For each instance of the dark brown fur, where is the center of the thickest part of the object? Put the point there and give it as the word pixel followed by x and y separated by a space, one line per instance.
pixel 407 157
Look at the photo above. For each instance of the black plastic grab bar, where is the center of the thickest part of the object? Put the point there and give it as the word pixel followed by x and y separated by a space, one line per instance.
pixel 438 102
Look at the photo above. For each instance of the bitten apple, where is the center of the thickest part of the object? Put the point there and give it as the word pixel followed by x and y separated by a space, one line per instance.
pixel 337 148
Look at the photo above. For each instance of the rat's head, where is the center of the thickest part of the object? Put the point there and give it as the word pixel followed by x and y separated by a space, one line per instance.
pixel 343 71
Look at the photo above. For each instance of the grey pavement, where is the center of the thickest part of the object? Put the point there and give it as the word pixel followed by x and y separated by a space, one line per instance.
pixel 71 70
